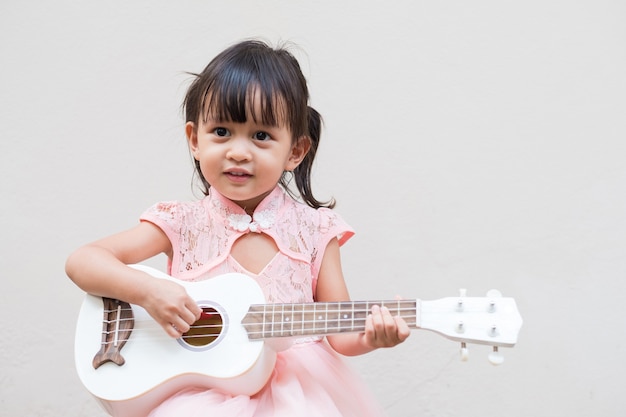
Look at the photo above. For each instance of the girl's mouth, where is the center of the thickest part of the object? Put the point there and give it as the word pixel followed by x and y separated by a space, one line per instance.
pixel 237 176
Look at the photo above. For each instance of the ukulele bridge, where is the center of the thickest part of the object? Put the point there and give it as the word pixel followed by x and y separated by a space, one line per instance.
pixel 117 325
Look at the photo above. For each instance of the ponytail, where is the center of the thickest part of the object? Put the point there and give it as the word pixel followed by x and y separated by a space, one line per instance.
pixel 302 173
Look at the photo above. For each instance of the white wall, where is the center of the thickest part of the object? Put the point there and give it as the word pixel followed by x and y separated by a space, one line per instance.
pixel 472 144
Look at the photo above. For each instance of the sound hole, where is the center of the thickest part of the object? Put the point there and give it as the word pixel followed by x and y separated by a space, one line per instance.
pixel 204 331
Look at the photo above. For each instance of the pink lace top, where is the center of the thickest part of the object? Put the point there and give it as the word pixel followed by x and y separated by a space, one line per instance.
pixel 202 234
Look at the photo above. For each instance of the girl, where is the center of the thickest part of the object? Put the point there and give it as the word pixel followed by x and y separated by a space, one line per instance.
pixel 250 130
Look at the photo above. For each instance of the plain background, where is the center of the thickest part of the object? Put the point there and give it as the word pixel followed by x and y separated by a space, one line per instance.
pixel 475 144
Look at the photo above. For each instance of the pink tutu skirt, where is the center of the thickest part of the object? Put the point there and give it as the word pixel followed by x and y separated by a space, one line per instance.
pixel 309 380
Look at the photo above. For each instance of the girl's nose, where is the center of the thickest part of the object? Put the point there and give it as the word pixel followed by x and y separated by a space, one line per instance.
pixel 239 150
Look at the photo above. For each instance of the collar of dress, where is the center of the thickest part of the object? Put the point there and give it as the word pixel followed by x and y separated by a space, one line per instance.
pixel 262 220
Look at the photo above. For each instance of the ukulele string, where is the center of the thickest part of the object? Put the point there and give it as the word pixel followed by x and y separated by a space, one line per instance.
pixel 271 324
pixel 279 317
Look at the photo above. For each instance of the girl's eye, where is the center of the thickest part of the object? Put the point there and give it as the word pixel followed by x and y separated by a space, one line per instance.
pixel 221 131
pixel 262 136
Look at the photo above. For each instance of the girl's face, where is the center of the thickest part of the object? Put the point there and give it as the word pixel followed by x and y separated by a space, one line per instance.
pixel 244 161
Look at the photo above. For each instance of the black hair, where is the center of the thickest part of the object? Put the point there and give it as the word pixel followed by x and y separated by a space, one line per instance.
pixel 225 87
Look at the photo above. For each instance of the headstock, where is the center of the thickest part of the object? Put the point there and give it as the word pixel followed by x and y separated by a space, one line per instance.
pixel 492 320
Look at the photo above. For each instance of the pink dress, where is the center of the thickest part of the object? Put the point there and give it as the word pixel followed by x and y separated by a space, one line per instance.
pixel 309 379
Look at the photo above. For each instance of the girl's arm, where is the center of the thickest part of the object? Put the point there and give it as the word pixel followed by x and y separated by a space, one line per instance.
pixel 381 328
pixel 100 268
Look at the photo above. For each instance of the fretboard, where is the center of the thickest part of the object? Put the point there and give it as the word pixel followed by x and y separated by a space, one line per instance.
pixel 311 319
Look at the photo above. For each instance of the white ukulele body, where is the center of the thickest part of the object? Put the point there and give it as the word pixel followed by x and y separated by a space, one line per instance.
pixel 157 366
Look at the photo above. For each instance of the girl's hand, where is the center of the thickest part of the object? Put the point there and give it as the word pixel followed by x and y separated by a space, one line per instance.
pixel 169 305
pixel 384 330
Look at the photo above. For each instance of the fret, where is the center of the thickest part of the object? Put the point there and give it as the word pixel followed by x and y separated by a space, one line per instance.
pixel 332 317
pixel 267 323
pixel 269 317
pixel 394 308
pixel 298 319
pixel 282 321
pixel 361 311
pixel 386 304
pixel 352 319
pixel 286 320
pixel 313 319
pixel 302 319
pixel 308 319
pixel 274 320
pixel 316 318
pixel 339 317
pixel 346 316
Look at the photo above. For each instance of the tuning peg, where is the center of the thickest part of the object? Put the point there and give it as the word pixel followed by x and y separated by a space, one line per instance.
pixel 464 352
pixel 495 357
pixel 494 294
pixel 462 295
pixel 460 327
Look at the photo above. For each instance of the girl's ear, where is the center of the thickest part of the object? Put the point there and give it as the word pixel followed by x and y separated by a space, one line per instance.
pixel 192 137
pixel 298 151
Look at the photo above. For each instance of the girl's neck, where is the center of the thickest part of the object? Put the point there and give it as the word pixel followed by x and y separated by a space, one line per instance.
pixel 249 206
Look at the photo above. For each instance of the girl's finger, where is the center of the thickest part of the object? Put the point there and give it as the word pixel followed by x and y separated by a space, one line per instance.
pixel 391 337
pixel 402 329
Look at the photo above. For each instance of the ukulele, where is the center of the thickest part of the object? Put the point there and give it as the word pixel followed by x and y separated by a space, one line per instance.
pixel 125 359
